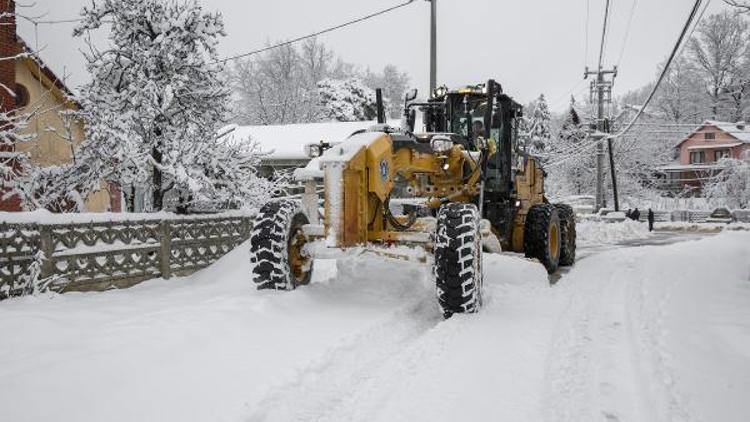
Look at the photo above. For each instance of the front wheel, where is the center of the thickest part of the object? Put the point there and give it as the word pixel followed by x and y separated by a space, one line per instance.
pixel 458 259
pixel 277 246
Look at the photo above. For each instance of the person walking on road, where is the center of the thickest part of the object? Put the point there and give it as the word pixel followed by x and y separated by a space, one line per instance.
pixel 650 220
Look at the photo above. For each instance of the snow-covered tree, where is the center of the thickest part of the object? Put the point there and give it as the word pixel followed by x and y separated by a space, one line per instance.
pixel 731 185
pixel 394 84
pixel 16 170
pixel 156 98
pixel 743 6
pixel 347 100
pixel 539 132
pixel 571 165
pixel 719 52
pixel 680 97
pixel 279 86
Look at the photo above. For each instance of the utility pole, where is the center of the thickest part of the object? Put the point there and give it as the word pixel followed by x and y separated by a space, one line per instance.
pixel 602 89
pixel 433 45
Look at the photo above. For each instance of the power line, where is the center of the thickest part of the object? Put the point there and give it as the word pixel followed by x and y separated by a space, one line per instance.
pixel 586 48
pixel 315 34
pixel 690 35
pixel 53 22
pixel 664 71
pixel 627 32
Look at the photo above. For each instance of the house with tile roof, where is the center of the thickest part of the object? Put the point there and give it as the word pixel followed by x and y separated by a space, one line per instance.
pixel 701 151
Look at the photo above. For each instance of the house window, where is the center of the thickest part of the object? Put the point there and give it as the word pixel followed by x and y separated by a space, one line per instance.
pixel 709 136
pixel 22 96
pixel 721 153
pixel 697 157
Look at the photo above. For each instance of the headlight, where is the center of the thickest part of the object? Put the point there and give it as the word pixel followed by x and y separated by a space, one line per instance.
pixel 312 150
pixel 441 144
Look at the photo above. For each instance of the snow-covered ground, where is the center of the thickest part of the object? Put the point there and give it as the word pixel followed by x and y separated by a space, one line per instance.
pixel 637 334
pixel 594 233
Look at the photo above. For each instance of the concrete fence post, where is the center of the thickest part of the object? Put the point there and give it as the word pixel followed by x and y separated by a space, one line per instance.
pixel 165 250
pixel 48 248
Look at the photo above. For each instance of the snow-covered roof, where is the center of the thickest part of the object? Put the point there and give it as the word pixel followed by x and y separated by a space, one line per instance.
pixel 677 167
pixel 739 130
pixel 287 142
pixel 712 146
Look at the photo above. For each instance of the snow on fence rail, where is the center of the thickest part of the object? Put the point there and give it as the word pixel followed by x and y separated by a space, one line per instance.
pixel 103 255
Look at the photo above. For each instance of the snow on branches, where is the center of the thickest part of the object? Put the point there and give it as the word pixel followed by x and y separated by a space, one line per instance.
pixel 347 100
pixel 540 133
pixel 731 185
pixel 156 102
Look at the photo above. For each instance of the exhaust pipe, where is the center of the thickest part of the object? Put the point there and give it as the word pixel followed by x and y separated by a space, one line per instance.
pixel 379 105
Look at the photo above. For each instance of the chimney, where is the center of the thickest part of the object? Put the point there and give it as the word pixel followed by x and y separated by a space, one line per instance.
pixel 8 48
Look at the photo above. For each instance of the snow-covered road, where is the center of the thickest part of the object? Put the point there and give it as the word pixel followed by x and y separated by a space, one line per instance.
pixel 653 333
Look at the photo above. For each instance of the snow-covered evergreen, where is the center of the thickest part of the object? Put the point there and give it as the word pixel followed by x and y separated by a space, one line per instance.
pixel 347 100
pixel 540 133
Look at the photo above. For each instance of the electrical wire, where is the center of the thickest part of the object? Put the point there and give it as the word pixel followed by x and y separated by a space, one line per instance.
pixel 677 47
pixel 315 34
pixel 54 22
pixel 586 47
pixel 627 32
pixel 690 35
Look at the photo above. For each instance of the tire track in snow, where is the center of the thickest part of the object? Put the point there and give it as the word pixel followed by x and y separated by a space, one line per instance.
pixel 319 387
pixel 608 360
pixel 589 374
pixel 655 361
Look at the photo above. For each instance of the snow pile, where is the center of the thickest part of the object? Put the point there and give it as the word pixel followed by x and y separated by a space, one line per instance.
pixel 684 226
pixel 590 233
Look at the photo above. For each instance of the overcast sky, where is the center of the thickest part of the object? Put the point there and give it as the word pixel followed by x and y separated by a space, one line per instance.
pixel 529 46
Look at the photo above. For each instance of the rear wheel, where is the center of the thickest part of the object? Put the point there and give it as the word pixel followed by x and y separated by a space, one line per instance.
pixel 541 239
pixel 567 234
pixel 458 259
pixel 277 246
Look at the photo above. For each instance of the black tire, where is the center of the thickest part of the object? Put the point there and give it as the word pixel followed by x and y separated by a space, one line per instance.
pixel 541 239
pixel 458 259
pixel 567 234
pixel 276 246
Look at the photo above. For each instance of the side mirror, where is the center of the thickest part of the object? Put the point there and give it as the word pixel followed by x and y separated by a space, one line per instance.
pixel 410 95
pixel 412 120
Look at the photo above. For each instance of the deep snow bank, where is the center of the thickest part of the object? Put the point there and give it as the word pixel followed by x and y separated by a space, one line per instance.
pixel 592 233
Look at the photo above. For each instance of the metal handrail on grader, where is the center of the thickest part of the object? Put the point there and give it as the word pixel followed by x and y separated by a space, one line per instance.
pixel 470 186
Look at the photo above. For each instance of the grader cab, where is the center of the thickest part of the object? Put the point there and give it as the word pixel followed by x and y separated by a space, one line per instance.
pixel 466 184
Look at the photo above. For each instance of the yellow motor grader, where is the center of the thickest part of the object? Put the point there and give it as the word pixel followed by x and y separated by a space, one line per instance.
pixel 468 181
